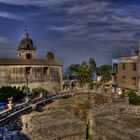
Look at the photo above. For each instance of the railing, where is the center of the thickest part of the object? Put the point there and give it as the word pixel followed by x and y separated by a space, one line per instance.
pixel 27 106
pixel 17 108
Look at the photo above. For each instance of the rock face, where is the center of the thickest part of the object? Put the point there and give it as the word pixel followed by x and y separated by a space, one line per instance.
pixel 66 119
pixel 53 125
pixel 117 127
pixel 116 122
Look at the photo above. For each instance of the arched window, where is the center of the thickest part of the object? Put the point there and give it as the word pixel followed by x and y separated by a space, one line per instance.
pixel 28 46
pixel 28 56
pixel 115 68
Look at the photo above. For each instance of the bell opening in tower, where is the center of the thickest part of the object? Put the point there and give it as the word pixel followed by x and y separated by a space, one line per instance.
pixel 28 56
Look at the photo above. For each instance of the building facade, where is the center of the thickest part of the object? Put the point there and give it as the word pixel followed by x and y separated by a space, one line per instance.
pixel 125 73
pixel 30 71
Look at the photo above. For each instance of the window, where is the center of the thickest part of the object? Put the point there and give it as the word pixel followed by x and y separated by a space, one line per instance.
pixel 45 70
pixel 134 80
pixel 28 70
pixel 123 79
pixel 134 66
pixel 28 56
pixel 115 68
pixel 28 46
pixel 123 66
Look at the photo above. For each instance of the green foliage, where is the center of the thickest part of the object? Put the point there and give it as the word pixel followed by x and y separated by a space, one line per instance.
pixel 38 90
pixel 137 100
pixel 25 89
pixel 74 67
pixel 50 55
pixel 92 65
pixel 10 99
pixel 84 74
pixel 72 72
pixel 8 92
pixel 104 71
pixel 133 97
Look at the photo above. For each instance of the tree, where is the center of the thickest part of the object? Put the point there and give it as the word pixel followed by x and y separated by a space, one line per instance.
pixel 72 72
pixel 84 74
pixel 50 55
pixel 104 71
pixel 92 65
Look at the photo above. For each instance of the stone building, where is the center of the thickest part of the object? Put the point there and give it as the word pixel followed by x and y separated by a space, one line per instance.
pixel 125 72
pixel 139 68
pixel 30 71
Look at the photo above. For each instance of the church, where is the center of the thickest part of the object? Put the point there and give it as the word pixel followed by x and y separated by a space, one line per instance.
pixel 30 71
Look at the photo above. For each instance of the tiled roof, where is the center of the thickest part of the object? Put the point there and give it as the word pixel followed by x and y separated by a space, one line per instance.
pixel 48 62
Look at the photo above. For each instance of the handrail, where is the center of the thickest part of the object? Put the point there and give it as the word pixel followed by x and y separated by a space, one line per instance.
pixel 12 112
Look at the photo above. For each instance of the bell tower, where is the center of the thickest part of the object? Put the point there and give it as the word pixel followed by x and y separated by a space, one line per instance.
pixel 26 49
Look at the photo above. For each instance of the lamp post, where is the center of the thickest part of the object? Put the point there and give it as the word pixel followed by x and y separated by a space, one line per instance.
pixel 26 87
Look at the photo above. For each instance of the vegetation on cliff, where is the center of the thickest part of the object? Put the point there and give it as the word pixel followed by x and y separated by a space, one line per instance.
pixel 133 97
pixel 78 104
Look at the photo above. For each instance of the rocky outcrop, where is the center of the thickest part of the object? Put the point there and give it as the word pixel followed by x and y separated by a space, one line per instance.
pixel 117 127
pixel 116 122
pixel 66 119
pixel 54 125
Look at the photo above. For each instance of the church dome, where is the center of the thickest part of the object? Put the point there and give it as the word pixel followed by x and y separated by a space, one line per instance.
pixel 26 43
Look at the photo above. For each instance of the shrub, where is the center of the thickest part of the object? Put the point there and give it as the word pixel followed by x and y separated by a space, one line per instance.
pixel 133 97
pixel 137 100
pixel 9 91
pixel 38 90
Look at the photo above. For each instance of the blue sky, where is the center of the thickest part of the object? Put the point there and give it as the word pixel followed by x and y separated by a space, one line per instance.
pixel 73 29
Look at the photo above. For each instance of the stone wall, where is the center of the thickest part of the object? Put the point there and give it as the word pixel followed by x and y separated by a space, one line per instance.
pixel 47 85
pixel 48 77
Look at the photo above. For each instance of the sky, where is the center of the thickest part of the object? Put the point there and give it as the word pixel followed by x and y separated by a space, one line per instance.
pixel 74 30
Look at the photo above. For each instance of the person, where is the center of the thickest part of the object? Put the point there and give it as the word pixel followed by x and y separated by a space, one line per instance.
pixel 10 104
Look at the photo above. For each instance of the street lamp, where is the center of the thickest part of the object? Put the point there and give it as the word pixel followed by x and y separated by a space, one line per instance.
pixel 26 87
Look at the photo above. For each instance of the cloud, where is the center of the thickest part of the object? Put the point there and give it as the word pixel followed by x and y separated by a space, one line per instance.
pixel 81 28
pixel 4 40
pixel 99 20
pixel 10 16
pixel 33 2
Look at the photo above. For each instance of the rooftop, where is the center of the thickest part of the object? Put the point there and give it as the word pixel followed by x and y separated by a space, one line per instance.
pixel 48 62
pixel 127 59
